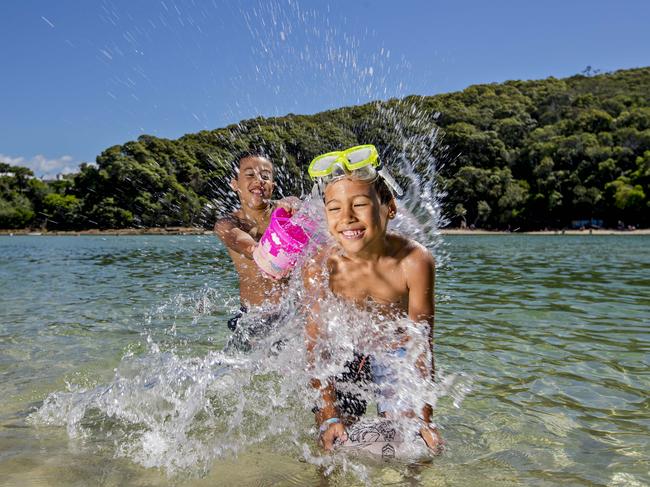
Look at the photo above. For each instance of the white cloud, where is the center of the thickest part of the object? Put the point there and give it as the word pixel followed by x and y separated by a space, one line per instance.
pixel 42 166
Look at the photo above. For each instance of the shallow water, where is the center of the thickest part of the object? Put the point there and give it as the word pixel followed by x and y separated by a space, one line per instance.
pixel 550 334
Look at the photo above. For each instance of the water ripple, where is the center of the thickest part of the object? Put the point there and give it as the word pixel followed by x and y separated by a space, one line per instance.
pixel 552 331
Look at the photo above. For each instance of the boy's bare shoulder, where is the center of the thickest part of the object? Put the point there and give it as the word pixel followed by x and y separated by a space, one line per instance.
pixel 230 221
pixel 411 253
pixel 322 259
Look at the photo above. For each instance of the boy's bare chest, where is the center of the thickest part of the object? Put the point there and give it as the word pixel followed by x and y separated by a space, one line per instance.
pixel 253 228
pixel 381 284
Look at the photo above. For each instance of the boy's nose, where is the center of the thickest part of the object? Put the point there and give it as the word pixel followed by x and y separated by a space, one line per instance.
pixel 348 214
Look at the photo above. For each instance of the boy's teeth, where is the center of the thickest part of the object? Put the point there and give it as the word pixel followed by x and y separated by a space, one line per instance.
pixel 352 233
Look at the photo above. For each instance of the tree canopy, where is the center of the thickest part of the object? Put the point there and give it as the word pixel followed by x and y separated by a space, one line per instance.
pixel 527 154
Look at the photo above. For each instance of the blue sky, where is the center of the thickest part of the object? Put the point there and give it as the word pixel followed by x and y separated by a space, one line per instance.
pixel 79 76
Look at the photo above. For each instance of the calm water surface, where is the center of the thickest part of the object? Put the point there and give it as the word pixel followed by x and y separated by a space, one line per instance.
pixel 551 335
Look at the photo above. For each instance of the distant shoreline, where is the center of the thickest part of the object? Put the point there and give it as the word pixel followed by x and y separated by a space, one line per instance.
pixel 112 232
pixel 202 231
pixel 601 231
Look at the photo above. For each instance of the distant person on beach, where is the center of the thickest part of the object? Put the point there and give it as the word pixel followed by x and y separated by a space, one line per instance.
pixel 240 231
pixel 386 273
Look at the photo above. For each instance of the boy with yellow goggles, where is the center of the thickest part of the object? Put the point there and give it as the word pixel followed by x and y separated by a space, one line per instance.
pixel 360 162
pixel 363 263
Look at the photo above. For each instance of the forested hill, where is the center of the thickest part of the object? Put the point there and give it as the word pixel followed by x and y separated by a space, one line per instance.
pixel 528 154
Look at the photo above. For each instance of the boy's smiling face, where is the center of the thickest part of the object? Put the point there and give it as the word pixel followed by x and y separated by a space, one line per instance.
pixel 254 182
pixel 355 216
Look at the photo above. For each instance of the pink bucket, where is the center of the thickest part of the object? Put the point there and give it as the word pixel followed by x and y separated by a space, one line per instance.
pixel 282 242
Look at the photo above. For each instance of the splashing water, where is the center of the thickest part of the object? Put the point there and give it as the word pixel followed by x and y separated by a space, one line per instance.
pixel 171 409
pixel 413 160
pixel 162 410
pixel 177 409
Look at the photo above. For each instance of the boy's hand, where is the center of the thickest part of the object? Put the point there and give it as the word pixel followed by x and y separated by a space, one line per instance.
pixel 333 435
pixel 291 204
pixel 432 439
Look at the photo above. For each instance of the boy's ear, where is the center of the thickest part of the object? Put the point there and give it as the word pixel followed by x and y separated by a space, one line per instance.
pixel 234 185
pixel 392 209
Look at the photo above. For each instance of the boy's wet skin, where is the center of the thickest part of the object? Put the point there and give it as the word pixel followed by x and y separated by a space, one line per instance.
pixel 370 266
pixel 373 265
pixel 241 230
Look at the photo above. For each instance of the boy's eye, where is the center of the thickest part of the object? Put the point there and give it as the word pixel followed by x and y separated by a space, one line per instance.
pixel 333 208
pixel 266 177
pixel 359 205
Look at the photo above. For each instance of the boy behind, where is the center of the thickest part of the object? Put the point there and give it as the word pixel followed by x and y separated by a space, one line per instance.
pixel 366 265
pixel 241 230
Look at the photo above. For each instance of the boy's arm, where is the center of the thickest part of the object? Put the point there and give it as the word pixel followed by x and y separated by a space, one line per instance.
pixel 327 391
pixel 420 272
pixel 326 416
pixel 291 204
pixel 234 237
pixel 419 267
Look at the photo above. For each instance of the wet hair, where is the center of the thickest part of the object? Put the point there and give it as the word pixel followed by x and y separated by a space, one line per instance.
pixel 240 156
pixel 383 191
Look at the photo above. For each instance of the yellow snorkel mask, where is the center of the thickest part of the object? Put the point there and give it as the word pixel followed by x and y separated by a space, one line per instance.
pixel 359 162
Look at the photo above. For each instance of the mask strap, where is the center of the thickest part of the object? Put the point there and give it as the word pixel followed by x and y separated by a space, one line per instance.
pixel 391 182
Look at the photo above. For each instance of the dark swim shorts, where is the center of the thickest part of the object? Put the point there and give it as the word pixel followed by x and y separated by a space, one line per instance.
pixel 246 331
pixel 352 386
pixel 232 322
pixel 358 374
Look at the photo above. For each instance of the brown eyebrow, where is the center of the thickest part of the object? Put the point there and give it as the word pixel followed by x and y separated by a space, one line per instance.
pixel 361 196
pixel 353 197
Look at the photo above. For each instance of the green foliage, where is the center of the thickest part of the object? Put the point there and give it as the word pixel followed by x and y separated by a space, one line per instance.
pixel 527 154
pixel 16 209
pixel 626 196
pixel 498 196
pixel 62 211
pixel 16 212
pixel 106 214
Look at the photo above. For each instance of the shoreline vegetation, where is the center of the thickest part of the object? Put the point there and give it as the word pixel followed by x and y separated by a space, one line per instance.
pixel 117 232
pixel 526 155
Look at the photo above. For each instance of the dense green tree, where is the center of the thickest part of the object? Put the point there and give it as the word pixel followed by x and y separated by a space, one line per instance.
pixel 61 211
pixel 16 207
pixel 16 212
pixel 527 154
pixel 106 214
